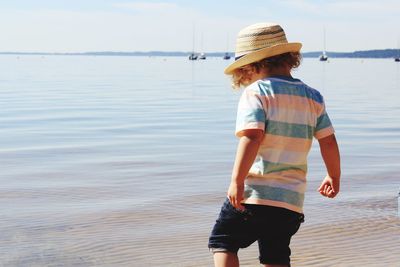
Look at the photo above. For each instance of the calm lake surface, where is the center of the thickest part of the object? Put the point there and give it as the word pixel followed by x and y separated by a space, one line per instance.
pixel 124 161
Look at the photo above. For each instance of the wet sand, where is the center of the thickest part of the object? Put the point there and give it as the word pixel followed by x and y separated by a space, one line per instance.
pixel 372 241
pixel 336 233
pixel 352 234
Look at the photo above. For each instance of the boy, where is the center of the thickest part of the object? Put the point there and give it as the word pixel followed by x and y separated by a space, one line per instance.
pixel 277 118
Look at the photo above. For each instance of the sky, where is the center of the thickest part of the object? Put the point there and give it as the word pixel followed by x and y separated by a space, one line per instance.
pixel 172 25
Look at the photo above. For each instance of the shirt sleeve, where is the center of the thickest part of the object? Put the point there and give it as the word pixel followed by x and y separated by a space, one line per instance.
pixel 323 126
pixel 250 113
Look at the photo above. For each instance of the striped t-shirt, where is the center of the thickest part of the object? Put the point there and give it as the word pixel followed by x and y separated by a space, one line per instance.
pixel 290 113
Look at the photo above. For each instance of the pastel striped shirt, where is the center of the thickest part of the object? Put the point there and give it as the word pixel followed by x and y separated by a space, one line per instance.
pixel 290 113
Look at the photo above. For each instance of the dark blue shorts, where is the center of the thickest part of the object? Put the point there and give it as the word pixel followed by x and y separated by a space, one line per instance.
pixel 272 227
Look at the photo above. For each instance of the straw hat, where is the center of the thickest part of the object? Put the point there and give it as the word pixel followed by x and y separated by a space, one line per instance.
pixel 259 41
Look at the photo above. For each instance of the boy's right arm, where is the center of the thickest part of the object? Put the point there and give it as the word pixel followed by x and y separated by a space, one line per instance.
pixel 330 153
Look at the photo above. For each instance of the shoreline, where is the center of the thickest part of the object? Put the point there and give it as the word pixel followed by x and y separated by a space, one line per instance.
pixel 389 53
pixel 174 233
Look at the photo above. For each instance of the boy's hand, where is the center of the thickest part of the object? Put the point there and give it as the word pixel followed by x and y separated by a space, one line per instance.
pixel 235 195
pixel 329 187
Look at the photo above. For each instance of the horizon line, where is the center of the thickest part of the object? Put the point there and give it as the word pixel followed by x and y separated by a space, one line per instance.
pixel 375 53
pixel 176 51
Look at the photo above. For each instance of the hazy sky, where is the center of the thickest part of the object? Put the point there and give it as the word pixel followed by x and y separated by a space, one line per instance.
pixel 127 25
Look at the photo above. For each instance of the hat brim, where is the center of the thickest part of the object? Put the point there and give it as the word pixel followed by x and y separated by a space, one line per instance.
pixel 263 53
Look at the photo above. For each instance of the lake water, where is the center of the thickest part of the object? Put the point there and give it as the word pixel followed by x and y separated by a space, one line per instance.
pixel 124 161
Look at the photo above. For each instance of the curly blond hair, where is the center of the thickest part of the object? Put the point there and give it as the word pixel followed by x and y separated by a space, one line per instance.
pixel 241 76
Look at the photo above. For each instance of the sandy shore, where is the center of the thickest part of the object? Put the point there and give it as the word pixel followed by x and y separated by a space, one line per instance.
pixel 370 240
pixel 368 236
pixel 363 242
pixel 351 234
pixel 342 232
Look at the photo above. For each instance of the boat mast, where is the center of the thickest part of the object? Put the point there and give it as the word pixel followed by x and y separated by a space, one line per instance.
pixel 324 52
pixel 193 56
pixel 227 56
pixel 193 38
pixel 227 42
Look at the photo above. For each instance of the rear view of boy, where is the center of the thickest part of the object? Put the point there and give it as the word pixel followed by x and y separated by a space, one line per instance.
pixel 278 117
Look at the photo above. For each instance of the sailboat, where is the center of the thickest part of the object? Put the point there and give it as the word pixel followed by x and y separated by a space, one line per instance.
pixel 227 56
pixel 323 57
pixel 193 55
pixel 397 59
pixel 202 55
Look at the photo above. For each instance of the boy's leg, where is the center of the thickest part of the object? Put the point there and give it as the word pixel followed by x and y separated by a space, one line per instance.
pixel 279 226
pixel 230 232
pixel 226 259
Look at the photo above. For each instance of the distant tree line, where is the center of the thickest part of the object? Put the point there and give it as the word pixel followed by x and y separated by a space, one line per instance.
pixel 383 53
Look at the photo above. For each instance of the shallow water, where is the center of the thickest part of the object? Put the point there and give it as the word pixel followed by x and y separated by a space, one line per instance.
pixel 124 161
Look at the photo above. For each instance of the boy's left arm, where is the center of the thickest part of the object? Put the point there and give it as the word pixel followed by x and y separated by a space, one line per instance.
pixel 247 149
pixel 330 153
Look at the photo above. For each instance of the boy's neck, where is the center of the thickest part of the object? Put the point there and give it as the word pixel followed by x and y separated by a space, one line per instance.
pixel 282 71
